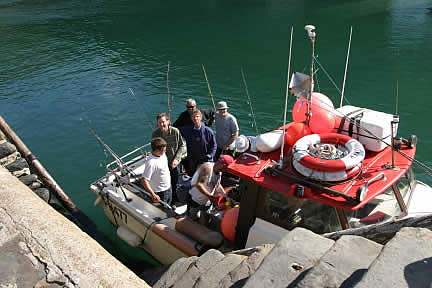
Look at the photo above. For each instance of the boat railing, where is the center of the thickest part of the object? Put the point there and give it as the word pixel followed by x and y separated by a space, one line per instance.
pixel 142 151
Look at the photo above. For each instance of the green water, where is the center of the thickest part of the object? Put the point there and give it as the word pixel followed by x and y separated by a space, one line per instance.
pixel 66 66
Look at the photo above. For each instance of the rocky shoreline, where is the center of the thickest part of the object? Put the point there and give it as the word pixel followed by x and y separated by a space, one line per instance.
pixel 12 160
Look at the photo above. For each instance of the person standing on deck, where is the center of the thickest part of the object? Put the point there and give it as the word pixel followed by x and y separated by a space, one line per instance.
pixel 156 176
pixel 200 143
pixel 176 148
pixel 227 130
pixel 185 118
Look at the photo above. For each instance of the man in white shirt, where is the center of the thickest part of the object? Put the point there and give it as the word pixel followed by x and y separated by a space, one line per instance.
pixel 156 176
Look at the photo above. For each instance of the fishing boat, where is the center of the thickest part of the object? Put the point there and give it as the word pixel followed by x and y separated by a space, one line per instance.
pixel 328 170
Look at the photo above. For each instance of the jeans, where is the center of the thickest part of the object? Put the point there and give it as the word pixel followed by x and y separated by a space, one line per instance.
pixel 166 195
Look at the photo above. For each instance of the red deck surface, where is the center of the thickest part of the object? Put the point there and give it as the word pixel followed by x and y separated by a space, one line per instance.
pixel 246 167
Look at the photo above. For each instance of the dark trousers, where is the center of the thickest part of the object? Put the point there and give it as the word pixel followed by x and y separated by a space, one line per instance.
pixel 174 172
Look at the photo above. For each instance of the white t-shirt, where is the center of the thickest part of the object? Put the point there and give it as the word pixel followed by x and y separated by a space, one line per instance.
pixel 212 181
pixel 157 173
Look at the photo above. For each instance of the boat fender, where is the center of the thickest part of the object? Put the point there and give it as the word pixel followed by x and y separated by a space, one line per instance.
pixel 229 223
pixel 128 236
pixel 269 141
pixel 176 239
pixel 199 232
pixel 355 152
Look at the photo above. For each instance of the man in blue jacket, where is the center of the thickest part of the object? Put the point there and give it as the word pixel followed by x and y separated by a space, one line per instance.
pixel 200 143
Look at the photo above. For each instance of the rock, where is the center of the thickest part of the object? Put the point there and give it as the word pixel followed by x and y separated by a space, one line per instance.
pixel 9 159
pixel 19 164
pixel 2 136
pixel 6 149
pixel 35 185
pixel 28 179
pixel 299 250
pixel 203 263
pixel 218 271
pixel 247 267
pixel 43 193
pixel 175 272
pixel 405 261
pixel 345 262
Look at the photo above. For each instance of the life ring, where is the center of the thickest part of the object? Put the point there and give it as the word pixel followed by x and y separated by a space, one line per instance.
pixel 353 153
pixel 325 175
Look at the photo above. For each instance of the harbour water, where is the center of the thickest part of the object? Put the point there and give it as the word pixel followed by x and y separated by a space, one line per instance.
pixel 67 66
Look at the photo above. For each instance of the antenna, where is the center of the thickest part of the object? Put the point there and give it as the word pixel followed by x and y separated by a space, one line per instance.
pixel 311 33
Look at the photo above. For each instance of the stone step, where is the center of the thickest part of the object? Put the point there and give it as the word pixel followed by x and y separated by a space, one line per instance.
pixel 291 257
pixel 199 267
pixel 246 268
pixel 342 265
pixel 405 261
pixel 213 269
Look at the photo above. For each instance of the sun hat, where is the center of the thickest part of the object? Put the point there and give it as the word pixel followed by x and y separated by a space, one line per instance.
pixel 222 105
pixel 226 159
pixel 242 143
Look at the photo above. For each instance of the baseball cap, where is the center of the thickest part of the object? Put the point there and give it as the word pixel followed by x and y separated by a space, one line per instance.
pixel 226 159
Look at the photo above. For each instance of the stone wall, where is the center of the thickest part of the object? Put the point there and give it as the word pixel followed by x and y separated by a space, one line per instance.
pixel 41 248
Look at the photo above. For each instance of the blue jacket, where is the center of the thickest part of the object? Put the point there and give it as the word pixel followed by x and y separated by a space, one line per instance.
pixel 200 143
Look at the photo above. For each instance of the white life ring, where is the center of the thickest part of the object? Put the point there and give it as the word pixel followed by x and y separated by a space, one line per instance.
pixel 355 152
pixel 325 175
pixel 315 167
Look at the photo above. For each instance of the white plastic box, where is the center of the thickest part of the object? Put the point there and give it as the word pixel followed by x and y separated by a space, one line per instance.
pixel 374 127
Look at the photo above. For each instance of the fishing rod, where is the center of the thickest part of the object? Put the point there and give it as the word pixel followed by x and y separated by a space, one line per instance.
pixel 249 101
pixel 346 68
pixel 126 170
pixel 168 90
pixel 120 163
pixel 149 122
pixel 208 86
pixel 286 97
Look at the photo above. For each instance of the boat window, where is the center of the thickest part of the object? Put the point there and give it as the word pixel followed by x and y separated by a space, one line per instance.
pixel 289 212
pixel 384 206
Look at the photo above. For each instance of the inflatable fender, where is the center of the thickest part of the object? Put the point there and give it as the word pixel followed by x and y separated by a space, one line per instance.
pixel 199 232
pixel 269 141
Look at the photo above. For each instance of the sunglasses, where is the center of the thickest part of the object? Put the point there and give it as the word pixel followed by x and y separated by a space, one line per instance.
pixel 190 107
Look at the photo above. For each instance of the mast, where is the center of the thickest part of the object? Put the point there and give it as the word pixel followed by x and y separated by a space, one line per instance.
pixel 311 33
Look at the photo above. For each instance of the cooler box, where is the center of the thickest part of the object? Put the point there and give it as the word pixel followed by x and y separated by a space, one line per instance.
pixel 367 126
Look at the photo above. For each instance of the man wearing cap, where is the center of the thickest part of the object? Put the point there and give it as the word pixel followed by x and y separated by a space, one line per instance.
pixel 227 130
pixel 185 118
pixel 206 183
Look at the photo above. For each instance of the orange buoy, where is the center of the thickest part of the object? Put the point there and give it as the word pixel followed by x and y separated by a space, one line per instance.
pixel 322 119
pixel 229 223
pixel 295 131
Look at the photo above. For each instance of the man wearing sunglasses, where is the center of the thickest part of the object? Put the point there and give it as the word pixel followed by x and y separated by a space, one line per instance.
pixel 185 118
